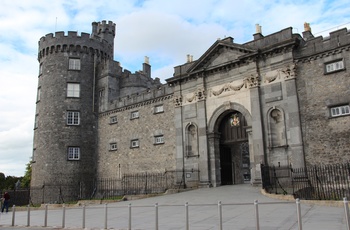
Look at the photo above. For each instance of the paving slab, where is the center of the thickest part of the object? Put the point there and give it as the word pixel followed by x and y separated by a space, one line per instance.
pixel 225 207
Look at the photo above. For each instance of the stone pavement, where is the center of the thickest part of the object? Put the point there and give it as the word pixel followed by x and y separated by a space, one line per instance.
pixel 237 208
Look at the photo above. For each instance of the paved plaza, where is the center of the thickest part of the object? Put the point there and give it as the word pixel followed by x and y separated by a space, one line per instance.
pixel 237 211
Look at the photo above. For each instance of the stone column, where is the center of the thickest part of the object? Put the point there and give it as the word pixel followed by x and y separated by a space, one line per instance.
pixel 214 158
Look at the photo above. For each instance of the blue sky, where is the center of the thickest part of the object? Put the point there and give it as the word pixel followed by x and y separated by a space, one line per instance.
pixel 165 31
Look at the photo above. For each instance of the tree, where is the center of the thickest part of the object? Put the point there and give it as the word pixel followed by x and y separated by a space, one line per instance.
pixel 25 183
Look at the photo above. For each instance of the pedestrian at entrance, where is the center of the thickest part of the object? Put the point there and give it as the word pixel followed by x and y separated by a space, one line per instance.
pixel 5 202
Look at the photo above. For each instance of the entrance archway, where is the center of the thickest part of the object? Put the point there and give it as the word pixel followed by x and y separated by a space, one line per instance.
pixel 234 149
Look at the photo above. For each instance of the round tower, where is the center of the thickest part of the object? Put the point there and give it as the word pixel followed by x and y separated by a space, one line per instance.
pixel 66 121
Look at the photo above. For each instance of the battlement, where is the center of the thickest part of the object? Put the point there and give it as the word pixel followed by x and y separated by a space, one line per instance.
pixel 103 27
pixel 147 96
pixel 314 46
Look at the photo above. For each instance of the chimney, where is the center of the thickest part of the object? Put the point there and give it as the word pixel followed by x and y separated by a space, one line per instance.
pixel 307 32
pixel 146 67
pixel 257 34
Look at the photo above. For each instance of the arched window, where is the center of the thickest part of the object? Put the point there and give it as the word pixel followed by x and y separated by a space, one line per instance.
pixel 191 140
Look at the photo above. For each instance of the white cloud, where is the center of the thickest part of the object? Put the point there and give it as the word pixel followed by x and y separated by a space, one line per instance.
pixel 165 31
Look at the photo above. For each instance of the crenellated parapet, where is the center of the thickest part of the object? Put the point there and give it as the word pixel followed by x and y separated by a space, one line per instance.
pixel 320 46
pixel 100 42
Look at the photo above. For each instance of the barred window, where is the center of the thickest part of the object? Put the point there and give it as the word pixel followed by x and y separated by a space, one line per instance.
pixel 134 143
pixel 159 140
pixel 113 120
pixel 73 118
pixel 340 110
pixel 113 146
pixel 334 66
pixel 73 153
pixel 134 115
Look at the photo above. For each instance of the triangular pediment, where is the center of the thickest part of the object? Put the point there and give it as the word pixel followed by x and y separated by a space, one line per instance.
pixel 220 53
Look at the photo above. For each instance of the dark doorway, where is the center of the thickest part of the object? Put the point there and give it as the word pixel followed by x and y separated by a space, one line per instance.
pixel 234 150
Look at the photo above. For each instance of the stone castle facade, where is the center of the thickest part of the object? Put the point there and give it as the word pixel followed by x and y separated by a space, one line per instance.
pixel 280 99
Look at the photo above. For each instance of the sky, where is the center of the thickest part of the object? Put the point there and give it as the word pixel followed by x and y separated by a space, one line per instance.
pixel 164 30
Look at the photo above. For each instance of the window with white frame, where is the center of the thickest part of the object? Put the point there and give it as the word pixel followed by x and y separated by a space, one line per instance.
pixel 159 139
pixel 134 115
pixel 334 66
pixel 73 118
pixel 134 143
pixel 73 90
pixel 73 153
pixel 74 64
pixel 340 110
pixel 38 95
pixel 158 109
pixel 113 146
pixel 113 120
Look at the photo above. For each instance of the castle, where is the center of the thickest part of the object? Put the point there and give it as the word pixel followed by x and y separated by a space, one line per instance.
pixel 280 99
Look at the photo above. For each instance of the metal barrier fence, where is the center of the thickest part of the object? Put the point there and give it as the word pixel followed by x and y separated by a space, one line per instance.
pixel 185 220
pixel 321 182
pixel 105 188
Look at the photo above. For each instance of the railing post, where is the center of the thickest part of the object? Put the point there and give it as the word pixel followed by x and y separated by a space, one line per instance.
pixel 256 214
pixel 28 215
pixel 83 224
pixel 220 215
pixel 13 214
pixel 299 214
pixel 346 209
pixel 63 215
pixel 45 220
pixel 129 228
pixel 106 214
pixel 156 220
pixel 186 216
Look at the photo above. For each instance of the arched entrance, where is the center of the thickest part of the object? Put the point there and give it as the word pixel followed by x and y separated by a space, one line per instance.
pixel 234 149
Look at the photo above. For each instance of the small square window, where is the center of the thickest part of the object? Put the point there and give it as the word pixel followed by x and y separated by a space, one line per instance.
pixel 73 90
pixel 159 109
pixel 134 115
pixel 113 120
pixel 74 64
pixel 159 140
pixel 73 153
pixel 73 118
pixel 113 146
pixel 334 66
pixel 340 111
pixel 134 143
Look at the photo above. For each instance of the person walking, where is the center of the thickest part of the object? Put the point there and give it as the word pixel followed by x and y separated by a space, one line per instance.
pixel 5 202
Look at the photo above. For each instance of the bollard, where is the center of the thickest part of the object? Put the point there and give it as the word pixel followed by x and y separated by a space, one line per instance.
pixel 83 216
pixel 220 215
pixel 156 220
pixel 45 218
pixel 299 214
pixel 63 216
pixel 129 228
pixel 256 214
pixel 13 215
pixel 186 216
pixel 106 214
pixel 28 215
pixel 346 209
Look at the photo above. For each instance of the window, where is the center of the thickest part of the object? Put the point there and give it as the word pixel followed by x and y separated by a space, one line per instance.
pixel 74 64
pixel 73 118
pixel 73 90
pixel 340 110
pixel 113 146
pixel 158 109
pixel 134 114
pixel 134 143
pixel 38 94
pixel 40 69
pixel 159 140
pixel 113 120
pixel 36 121
pixel 334 66
pixel 73 153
